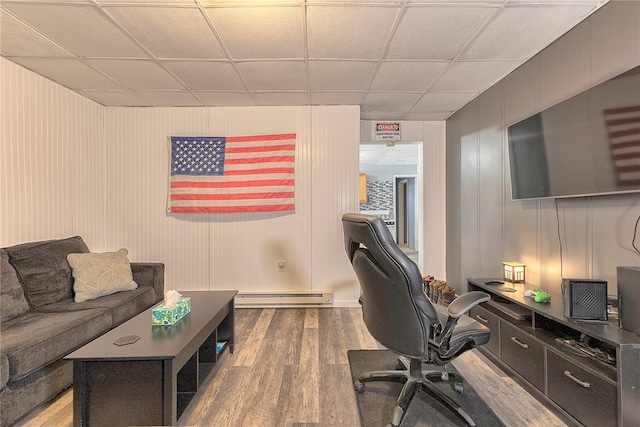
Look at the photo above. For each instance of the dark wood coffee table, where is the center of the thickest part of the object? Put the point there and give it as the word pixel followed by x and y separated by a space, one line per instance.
pixel 151 381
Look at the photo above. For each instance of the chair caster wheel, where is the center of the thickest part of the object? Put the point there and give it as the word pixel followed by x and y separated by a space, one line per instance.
pixel 359 387
pixel 459 387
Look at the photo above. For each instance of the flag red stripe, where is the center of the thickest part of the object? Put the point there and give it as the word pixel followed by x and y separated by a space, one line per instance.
pixel 232 196
pixel 278 137
pixel 226 209
pixel 232 150
pixel 258 171
pixel 228 161
pixel 224 184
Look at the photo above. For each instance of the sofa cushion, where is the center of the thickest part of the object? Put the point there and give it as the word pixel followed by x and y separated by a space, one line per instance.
pixel 20 397
pixel 38 338
pixel 100 274
pixel 122 305
pixel 4 370
pixel 12 300
pixel 43 269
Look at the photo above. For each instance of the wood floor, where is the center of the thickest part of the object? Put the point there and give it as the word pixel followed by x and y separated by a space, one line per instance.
pixel 290 368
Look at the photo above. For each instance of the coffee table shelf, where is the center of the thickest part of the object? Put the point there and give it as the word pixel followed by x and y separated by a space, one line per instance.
pixel 152 381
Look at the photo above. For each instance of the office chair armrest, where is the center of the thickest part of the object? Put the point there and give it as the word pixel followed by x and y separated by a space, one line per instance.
pixel 466 302
pixel 457 308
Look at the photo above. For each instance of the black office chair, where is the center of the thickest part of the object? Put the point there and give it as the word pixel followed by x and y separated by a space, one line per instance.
pixel 399 315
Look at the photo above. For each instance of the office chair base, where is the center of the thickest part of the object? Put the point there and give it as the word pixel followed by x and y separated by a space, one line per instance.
pixel 412 376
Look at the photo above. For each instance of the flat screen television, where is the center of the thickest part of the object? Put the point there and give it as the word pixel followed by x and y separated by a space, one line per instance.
pixel 584 146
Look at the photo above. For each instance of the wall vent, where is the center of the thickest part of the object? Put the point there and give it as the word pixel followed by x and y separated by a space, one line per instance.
pixel 289 299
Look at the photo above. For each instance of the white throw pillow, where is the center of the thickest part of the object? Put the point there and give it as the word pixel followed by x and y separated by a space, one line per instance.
pixel 99 274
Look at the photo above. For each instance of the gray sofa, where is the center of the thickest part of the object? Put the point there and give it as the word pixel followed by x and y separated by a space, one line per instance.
pixel 41 323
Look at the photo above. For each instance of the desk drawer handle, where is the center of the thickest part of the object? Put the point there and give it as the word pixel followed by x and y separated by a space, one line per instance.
pixel 482 319
pixel 521 344
pixel 576 380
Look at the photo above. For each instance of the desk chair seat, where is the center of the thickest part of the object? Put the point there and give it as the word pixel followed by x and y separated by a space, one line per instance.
pixel 399 316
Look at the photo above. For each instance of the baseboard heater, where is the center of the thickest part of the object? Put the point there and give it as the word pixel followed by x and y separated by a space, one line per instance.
pixel 290 299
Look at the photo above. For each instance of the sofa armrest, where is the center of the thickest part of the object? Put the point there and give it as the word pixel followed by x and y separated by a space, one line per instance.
pixel 149 274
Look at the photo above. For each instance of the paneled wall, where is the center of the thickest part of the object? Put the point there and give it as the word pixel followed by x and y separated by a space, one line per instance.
pixel 72 167
pixel 237 251
pixel 484 227
pixel 52 164
pixel 69 166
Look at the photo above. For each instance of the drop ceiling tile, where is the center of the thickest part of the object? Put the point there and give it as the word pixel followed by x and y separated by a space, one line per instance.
pixel 226 99
pixel 340 75
pixel 281 98
pixel 81 29
pixel 337 98
pixel 473 76
pixel 436 32
pixel 432 116
pixel 274 75
pixel 381 115
pixel 17 39
pixel 137 74
pixel 348 32
pixel 516 33
pixel 260 32
pixel 114 98
pixel 206 75
pixel 443 102
pixel 407 76
pixel 68 72
pixel 170 32
pixel 391 101
pixel 169 98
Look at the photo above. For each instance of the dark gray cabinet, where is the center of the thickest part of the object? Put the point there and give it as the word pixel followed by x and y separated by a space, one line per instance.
pixel 523 353
pixel 492 322
pixel 587 397
pixel 529 340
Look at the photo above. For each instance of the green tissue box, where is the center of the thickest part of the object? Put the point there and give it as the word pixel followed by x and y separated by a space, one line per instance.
pixel 161 315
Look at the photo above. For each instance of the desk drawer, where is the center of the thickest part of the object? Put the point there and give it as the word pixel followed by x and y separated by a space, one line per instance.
pixel 523 353
pixel 589 399
pixel 492 322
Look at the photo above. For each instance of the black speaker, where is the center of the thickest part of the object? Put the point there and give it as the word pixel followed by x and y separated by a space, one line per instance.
pixel 585 299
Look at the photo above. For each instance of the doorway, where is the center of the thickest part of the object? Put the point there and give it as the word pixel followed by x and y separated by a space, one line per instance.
pixel 393 184
pixel 406 207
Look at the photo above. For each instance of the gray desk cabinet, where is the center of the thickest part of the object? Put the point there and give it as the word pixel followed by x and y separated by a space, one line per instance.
pixel 527 342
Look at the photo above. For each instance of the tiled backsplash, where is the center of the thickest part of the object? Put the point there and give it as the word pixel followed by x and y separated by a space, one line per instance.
pixel 380 197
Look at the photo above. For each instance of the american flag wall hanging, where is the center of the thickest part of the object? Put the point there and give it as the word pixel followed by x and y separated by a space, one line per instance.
pixel 231 174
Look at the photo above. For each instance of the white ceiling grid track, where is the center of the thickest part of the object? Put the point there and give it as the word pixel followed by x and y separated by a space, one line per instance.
pixel 397 59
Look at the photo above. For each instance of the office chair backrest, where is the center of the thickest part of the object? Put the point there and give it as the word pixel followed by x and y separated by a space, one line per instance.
pixel 395 310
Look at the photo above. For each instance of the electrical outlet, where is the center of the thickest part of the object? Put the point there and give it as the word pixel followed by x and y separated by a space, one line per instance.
pixel 281 265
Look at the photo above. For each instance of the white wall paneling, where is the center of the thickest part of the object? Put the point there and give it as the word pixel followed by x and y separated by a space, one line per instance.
pixel 334 179
pixel 71 166
pixel 432 217
pixel 52 161
pixel 595 232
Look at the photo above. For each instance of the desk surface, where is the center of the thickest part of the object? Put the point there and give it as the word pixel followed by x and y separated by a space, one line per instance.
pixel 606 331
pixel 158 342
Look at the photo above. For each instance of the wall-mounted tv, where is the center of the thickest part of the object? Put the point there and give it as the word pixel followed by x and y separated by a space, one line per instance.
pixel 584 146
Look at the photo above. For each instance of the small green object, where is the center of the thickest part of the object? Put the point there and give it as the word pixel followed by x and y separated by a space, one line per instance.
pixel 542 296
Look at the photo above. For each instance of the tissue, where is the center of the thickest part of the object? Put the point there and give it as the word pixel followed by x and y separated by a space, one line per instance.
pixel 171 298
pixel 171 310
